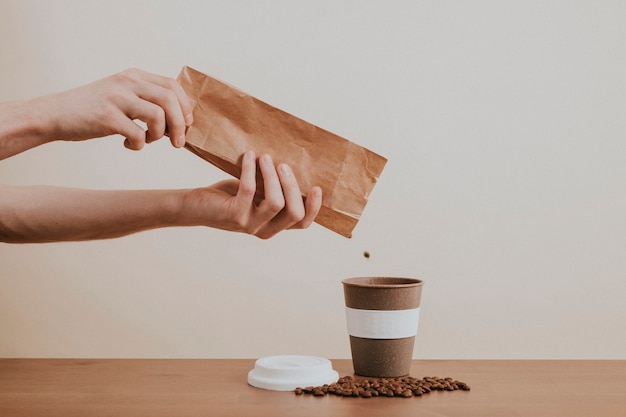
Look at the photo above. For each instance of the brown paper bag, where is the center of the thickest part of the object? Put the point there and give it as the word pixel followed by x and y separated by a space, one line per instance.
pixel 229 122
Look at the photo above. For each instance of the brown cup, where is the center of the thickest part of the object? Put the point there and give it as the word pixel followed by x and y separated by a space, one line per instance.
pixel 382 315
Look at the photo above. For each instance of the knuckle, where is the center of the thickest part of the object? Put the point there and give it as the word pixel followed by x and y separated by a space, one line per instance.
pixel 301 225
pixel 292 218
pixel 114 98
pixel 156 114
pixel 240 222
pixel 247 189
pixel 135 143
pixel 296 215
pixel 169 98
pixel 137 139
pixel 107 112
pixel 263 235
pixel 131 72
pixel 170 83
pixel 275 205
pixel 123 77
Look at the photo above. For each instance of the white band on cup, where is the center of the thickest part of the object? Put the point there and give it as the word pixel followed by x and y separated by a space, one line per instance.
pixel 382 324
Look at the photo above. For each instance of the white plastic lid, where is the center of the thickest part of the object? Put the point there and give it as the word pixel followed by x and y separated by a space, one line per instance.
pixel 288 372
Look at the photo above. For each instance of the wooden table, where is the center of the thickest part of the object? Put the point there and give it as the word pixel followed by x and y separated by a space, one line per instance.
pixel 213 387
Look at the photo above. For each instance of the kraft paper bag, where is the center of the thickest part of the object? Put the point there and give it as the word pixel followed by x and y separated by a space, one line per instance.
pixel 228 122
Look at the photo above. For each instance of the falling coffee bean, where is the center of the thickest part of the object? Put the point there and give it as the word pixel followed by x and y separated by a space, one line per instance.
pixel 366 254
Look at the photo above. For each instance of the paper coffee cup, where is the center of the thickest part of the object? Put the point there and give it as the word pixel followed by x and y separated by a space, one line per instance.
pixel 382 316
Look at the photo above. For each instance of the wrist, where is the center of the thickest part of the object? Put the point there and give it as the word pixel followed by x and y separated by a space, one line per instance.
pixel 176 209
pixel 194 208
pixel 22 126
pixel 182 211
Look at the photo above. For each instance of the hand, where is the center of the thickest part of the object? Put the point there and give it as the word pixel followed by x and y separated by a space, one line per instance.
pixel 235 206
pixel 55 214
pixel 110 106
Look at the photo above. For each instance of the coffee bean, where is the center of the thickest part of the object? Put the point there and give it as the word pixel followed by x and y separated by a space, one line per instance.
pixel 404 387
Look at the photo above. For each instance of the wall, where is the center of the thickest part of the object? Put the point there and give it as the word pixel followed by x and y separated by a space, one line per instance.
pixel 504 124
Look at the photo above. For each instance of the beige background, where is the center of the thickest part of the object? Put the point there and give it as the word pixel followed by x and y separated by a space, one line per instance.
pixel 504 124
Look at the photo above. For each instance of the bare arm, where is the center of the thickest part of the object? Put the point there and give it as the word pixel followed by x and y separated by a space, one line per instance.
pixel 47 214
pixel 21 128
pixel 110 106
pixel 50 214
pixel 102 108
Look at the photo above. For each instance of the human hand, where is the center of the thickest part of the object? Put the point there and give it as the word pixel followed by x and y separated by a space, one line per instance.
pixel 55 214
pixel 235 206
pixel 110 106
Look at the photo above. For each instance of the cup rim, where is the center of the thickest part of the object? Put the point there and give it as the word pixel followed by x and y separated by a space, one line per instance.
pixel 382 282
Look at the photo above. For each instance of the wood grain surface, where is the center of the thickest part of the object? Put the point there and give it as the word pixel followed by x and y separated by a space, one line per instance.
pixel 216 387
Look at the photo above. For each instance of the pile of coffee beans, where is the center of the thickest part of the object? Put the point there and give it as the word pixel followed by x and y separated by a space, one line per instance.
pixel 404 387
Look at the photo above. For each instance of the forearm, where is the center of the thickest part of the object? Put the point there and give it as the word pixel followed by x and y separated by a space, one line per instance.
pixel 106 107
pixel 51 214
pixel 23 125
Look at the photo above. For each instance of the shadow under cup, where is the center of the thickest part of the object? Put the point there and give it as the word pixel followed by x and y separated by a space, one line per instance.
pixel 382 316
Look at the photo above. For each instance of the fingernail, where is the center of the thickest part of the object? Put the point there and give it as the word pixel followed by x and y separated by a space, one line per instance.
pixel 189 119
pixel 267 158
pixel 181 141
pixel 284 169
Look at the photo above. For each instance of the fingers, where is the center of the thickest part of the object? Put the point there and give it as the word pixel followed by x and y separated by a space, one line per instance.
pixel 172 85
pixel 282 206
pixel 161 103
pixel 166 110
pixel 134 134
pixel 247 182
pixel 313 204
pixel 154 117
pixel 274 200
